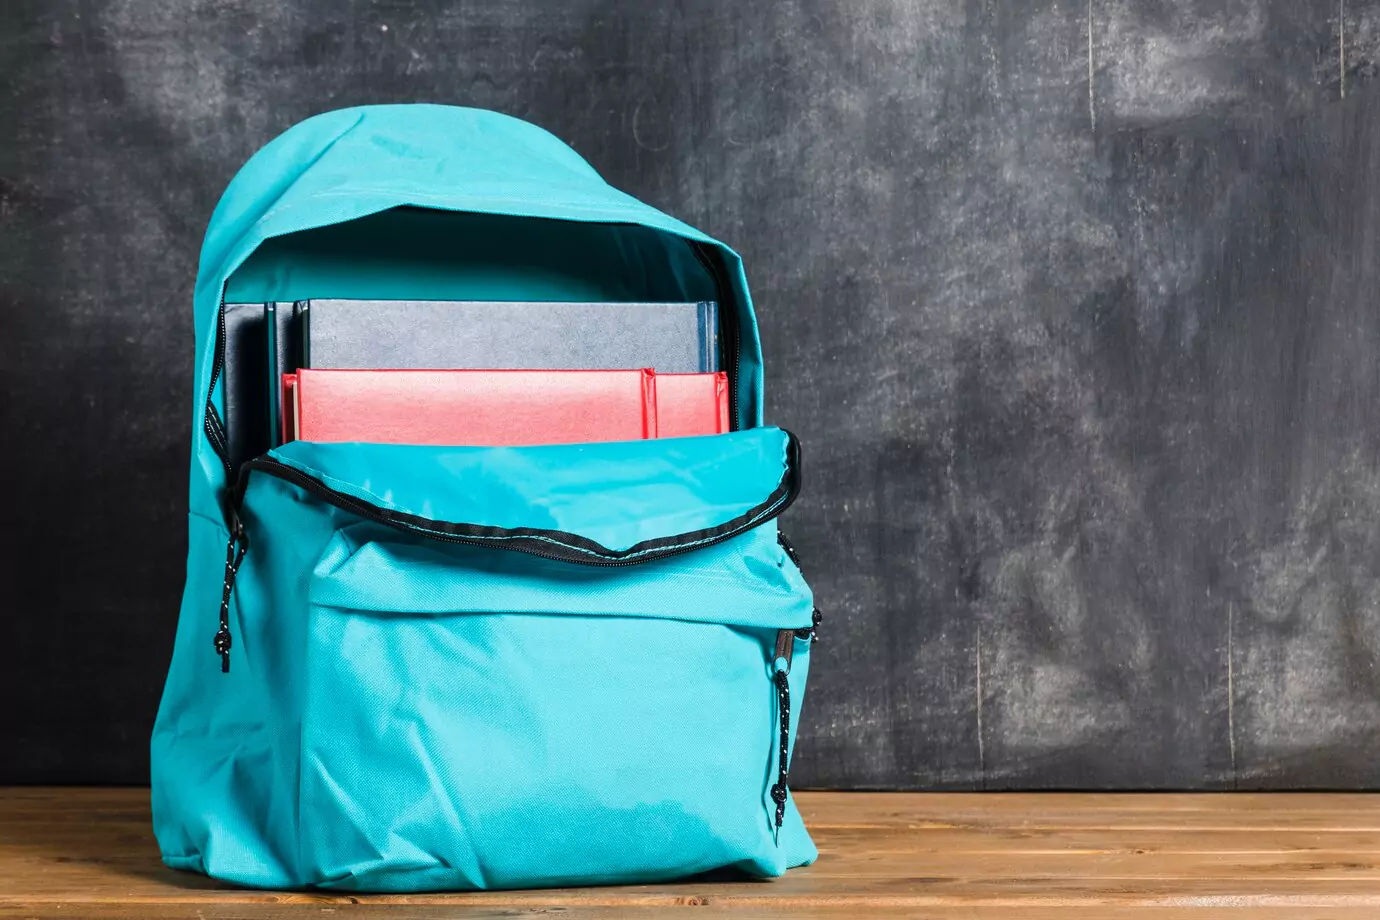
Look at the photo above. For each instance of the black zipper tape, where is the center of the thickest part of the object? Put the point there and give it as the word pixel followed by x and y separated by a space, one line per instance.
pixel 215 432
pixel 547 544
pixel 810 632
pixel 214 427
pixel 218 360
pixel 789 547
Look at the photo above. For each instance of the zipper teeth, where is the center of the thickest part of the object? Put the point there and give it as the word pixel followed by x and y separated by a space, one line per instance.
pixel 213 425
pixel 215 432
pixel 369 512
pixel 218 362
pixel 788 547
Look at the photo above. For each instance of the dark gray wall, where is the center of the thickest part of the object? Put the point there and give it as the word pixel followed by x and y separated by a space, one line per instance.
pixel 1073 306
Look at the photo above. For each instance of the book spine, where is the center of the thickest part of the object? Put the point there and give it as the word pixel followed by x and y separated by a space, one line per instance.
pixel 302 312
pixel 708 316
pixel 649 426
pixel 271 357
pixel 289 408
pixel 721 400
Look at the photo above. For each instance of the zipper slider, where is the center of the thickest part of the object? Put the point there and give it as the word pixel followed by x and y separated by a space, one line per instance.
pixel 785 650
pixel 811 632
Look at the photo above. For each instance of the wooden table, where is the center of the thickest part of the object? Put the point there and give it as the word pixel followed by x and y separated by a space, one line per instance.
pixel 90 853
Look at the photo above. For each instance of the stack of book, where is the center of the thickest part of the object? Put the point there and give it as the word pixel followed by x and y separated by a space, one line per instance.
pixel 470 373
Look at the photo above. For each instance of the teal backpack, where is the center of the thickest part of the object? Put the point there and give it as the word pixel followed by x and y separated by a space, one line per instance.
pixel 408 668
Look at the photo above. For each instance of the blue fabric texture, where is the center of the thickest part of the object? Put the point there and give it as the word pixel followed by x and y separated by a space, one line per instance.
pixel 465 668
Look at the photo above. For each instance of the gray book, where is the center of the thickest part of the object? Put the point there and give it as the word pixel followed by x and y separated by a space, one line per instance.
pixel 671 338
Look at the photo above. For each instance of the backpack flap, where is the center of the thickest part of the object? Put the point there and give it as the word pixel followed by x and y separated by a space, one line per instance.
pixel 596 504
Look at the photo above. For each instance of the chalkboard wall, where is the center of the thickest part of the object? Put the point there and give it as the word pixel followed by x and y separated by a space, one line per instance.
pixel 1072 304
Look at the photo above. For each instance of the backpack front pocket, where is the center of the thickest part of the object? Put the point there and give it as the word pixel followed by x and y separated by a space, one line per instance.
pixel 536 666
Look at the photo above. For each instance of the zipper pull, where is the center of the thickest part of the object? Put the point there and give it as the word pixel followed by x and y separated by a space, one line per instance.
pixel 234 555
pixel 779 790
pixel 781 669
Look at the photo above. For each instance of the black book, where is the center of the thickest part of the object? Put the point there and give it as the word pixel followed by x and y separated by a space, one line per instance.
pixel 257 350
pixel 242 382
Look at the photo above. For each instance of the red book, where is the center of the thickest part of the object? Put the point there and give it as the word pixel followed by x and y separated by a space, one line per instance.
pixel 287 415
pixel 691 404
pixel 481 408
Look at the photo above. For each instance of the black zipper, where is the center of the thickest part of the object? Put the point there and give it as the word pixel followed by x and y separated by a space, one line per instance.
pixel 810 632
pixel 783 653
pixel 547 544
pixel 215 428
pixel 789 547
pixel 215 433
pixel 218 360
pixel 730 330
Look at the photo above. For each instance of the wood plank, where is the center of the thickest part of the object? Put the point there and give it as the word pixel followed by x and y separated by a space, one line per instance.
pixel 368 911
pixel 1146 811
pixel 48 804
pixel 54 875
pixel 90 852
pixel 1096 840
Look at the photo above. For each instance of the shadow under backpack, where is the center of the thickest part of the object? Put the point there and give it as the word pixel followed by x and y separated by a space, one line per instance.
pixel 466 667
